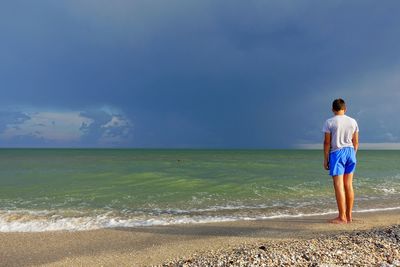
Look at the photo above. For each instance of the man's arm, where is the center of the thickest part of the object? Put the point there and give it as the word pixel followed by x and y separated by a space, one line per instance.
pixel 355 141
pixel 327 148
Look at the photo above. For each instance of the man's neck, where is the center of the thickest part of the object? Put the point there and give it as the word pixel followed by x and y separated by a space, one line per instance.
pixel 340 112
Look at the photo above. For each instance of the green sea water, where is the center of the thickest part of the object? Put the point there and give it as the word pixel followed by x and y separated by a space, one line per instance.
pixel 78 189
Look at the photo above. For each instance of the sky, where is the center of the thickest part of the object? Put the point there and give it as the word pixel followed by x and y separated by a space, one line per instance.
pixel 196 74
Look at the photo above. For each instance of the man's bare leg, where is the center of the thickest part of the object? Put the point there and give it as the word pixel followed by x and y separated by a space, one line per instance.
pixel 348 189
pixel 340 199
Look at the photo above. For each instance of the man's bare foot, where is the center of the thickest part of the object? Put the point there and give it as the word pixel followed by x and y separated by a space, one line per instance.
pixel 349 220
pixel 337 220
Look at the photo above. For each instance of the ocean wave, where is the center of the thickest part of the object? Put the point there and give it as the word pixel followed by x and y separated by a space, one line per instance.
pixel 385 190
pixel 42 221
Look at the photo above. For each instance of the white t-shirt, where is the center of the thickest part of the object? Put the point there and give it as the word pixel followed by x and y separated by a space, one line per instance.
pixel 341 128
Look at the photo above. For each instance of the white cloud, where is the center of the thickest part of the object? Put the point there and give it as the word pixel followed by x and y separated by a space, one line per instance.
pixel 105 126
pixel 53 126
pixel 115 130
pixel 115 122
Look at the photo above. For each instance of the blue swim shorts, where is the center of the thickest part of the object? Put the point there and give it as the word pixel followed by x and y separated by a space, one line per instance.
pixel 342 161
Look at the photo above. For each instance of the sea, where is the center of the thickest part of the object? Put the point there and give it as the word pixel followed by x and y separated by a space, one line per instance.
pixel 85 189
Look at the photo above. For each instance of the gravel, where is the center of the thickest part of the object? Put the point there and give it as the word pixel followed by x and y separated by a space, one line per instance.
pixel 376 247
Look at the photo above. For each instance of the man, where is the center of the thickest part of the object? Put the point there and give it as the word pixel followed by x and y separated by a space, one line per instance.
pixel 340 148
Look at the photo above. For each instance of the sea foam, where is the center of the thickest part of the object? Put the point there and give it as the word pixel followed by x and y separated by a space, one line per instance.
pixel 38 221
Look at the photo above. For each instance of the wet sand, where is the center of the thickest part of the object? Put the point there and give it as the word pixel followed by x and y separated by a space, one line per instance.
pixel 147 246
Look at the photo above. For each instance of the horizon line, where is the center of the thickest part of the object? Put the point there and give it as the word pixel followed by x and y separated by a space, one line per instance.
pixel 303 146
pixel 362 146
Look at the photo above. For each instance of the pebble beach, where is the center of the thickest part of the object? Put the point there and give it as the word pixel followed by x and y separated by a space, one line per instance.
pixel 371 240
pixel 375 247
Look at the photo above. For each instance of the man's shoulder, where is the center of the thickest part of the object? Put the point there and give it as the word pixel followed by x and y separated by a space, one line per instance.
pixel 351 119
pixel 331 119
pixel 338 120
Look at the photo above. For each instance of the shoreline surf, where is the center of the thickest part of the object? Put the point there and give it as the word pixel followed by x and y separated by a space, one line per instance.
pixel 15 222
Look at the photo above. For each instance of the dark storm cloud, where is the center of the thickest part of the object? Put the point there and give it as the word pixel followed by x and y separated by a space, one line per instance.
pixel 205 73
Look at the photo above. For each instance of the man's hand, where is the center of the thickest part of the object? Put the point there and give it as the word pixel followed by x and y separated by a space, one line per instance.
pixel 326 165
pixel 327 148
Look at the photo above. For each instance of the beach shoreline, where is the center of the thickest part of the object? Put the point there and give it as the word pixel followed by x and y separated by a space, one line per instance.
pixel 146 246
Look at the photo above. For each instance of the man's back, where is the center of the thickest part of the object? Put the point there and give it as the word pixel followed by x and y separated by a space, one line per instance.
pixel 341 128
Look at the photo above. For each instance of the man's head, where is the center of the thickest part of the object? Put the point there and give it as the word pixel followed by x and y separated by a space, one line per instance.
pixel 338 105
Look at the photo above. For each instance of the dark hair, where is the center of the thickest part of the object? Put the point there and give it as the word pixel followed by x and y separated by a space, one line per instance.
pixel 338 104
